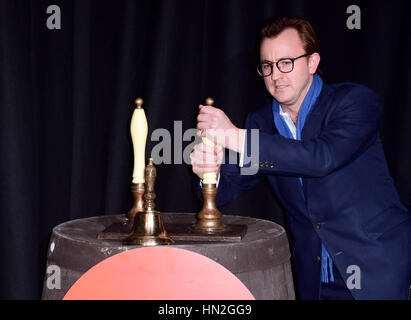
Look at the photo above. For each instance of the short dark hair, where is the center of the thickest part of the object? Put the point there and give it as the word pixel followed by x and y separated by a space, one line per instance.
pixel 272 27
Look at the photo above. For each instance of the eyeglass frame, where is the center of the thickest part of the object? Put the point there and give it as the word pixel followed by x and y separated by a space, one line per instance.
pixel 270 63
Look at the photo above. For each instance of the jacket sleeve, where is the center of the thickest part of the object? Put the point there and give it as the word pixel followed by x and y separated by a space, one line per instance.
pixel 231 185
pixel 349 129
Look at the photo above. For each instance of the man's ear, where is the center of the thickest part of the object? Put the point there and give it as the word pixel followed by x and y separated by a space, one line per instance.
pixel 313 62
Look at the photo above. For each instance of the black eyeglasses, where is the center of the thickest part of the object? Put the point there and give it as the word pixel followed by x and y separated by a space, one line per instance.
pixel 285 65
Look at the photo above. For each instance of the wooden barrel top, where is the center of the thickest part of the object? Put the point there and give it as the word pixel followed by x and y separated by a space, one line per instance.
pixel 74 247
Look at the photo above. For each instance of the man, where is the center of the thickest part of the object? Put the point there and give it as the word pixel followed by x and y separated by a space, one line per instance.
pixel 319 148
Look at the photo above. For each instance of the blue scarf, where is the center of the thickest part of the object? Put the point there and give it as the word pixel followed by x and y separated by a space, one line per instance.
pixel 283 129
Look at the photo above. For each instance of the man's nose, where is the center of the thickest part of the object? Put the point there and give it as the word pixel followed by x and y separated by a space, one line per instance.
pixel 276 74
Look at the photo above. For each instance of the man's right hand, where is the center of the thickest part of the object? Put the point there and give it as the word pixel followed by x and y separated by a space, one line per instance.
pixel 206 159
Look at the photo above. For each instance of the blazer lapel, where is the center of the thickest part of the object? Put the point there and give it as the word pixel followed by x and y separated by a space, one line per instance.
pixel 312 125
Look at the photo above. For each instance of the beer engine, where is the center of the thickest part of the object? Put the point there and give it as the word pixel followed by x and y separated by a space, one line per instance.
pixel 209 218
pixel 209 226
pixel 138 131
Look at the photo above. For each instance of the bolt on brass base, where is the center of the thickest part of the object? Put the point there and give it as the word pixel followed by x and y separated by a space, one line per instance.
pixel 209 218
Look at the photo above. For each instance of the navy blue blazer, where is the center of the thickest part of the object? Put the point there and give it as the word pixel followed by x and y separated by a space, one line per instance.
pixel 347 201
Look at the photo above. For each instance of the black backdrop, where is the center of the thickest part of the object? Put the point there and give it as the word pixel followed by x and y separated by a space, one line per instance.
pixel 66 99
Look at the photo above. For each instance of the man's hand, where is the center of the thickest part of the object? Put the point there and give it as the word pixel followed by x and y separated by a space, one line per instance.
pixel 206 159
pixel 219 128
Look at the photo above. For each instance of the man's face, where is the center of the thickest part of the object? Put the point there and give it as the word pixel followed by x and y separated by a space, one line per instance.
pixel 289 89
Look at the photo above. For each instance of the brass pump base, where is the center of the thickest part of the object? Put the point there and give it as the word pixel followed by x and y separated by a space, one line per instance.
pixel 119 230
pixel 137 190
pixel 209 218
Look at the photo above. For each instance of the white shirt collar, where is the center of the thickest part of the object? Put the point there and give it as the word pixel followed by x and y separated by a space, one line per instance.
pixel 289 122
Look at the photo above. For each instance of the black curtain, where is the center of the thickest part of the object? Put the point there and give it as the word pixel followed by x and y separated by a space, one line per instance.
pixel 66 99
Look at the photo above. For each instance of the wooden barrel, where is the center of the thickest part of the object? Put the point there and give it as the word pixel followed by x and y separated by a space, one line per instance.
pixel 261 260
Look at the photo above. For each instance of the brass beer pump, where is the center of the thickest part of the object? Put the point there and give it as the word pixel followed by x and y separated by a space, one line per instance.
pixel 209 218
pixel 138 131
pixel 148 224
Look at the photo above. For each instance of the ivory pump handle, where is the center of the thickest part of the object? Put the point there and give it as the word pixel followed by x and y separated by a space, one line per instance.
pixel 209 177
pixel 139 130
